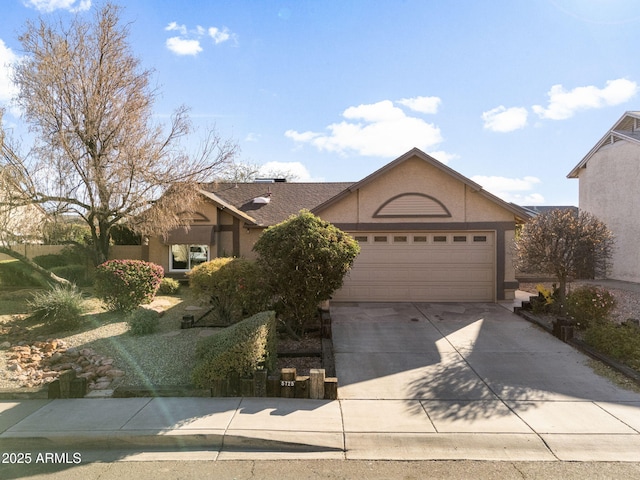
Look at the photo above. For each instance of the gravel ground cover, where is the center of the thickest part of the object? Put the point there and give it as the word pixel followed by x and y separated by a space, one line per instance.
pixel 163 358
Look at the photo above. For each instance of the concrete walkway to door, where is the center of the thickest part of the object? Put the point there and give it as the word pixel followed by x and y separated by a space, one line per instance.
pixel 436 379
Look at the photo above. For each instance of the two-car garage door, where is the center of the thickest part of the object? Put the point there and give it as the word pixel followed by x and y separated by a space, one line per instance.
pixel 419 266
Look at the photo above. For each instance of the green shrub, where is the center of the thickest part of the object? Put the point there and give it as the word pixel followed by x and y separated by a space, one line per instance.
pixel 14 273
pixel 143 321
pixel 51 260
pixel 237 350
pixel 60 307
pixel 125 284
pixel 78 274
pixel 168 286
pixel 235 287
pixel 588 304
pixel 621 342
pixel 304 259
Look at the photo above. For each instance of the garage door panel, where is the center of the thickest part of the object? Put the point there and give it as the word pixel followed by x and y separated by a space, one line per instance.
pixel 433 274
pixel 425 271
pixel 391 256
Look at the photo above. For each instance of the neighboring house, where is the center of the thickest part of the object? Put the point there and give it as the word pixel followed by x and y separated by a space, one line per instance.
pixel 538 209
pixel 18 224
pixel 426 232
pixel 609 181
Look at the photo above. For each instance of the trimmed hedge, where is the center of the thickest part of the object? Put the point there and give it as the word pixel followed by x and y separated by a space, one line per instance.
pixel 51 260
pixel 238 350
pixel 123 285
pixel 235 286
pixel 77 274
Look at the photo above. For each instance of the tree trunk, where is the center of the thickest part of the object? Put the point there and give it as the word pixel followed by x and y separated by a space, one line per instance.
pixel 562 294
pixel 50 277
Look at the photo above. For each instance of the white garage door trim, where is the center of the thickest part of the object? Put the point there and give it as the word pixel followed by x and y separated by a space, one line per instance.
pixel 446 266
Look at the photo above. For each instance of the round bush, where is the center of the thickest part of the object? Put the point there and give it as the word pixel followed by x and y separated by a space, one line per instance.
pixel 60 307
pixel 235 286
pixel 143 321
pixel 123 285
pixel 168 286
pixel 589 304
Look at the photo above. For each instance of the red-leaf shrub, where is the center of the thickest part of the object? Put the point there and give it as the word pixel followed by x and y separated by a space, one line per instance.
pixel 125 284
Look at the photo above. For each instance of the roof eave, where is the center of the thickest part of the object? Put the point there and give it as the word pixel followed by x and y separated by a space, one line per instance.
pixel 227 206
pixel 574 173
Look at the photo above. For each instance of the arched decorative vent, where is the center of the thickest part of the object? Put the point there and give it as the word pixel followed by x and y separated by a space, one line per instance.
pixel 412 205
pixel 193 216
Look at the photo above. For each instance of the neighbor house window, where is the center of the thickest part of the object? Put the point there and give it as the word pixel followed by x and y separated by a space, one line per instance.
pixel 185 257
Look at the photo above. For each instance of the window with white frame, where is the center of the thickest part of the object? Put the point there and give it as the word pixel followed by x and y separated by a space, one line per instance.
pixel 185 257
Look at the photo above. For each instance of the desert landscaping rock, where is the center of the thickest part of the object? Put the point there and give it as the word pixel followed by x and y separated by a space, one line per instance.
pixel 44 361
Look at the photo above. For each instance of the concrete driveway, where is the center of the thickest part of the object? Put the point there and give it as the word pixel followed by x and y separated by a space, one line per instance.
pixel 470 368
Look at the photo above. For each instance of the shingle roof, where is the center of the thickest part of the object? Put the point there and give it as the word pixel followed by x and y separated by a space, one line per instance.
pixel 286 198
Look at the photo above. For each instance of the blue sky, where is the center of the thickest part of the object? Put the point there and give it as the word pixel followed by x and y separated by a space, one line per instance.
pixel 510 93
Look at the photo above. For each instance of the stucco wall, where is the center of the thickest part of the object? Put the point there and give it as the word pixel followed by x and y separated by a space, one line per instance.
pixel 416 176
pixel 609 189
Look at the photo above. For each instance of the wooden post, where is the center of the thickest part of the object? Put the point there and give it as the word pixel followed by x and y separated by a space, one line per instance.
pixel 331 388
pixel 288 382
pixel 66 378
pixel 316 389
pixel 302 387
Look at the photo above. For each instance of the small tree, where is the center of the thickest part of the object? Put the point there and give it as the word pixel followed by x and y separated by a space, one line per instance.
pixel 304 260
pixel 566 244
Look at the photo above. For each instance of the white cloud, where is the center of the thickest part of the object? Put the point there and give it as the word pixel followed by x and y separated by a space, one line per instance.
pixel 294 171
pixel 173 26
pixel 565 103
pixel 443 157
pixel 379 129
pixel 502 119
pixel 180 46
pixel 218 35
pixel 510 189
pixel 7 59
pixel 188 43
pixel 422 104
pixel 51 5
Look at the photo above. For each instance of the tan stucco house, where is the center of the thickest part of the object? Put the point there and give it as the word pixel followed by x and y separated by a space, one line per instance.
pixel 609 181
pixel 426 232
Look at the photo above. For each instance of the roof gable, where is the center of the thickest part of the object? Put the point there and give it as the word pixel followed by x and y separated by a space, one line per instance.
pixel 413 153
pixel 627 128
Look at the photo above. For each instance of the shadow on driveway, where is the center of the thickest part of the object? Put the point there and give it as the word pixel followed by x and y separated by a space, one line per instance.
pixel 463 360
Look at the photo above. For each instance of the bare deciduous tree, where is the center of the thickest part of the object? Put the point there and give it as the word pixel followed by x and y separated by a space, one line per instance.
pixel 20 221
pixel 566 244
pixel 248 172
pixel 98 153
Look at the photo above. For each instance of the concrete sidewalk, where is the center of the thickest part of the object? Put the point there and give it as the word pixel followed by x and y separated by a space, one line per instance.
pixel 417 382
pixel 250 428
